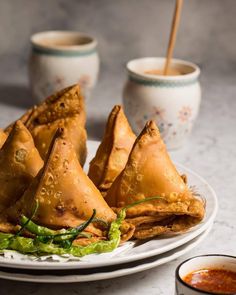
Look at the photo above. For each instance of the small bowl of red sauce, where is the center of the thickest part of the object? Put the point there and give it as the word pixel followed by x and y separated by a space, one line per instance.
pixel 207 274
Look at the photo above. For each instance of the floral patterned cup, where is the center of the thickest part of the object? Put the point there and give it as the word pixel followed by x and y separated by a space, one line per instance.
pixel 172 101
pixel 62 58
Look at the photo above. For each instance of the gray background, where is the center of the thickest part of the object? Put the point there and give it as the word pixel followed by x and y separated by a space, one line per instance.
pixel 126 30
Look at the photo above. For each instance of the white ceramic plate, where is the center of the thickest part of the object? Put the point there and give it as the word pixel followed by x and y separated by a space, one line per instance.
pixel 73 276
pixel 139 250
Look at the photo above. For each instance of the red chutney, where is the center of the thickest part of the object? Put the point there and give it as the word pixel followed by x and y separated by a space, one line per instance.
pixel 218 281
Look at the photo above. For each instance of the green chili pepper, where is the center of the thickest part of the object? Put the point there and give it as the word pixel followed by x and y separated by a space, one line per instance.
pixel 46 234
pixel 37 229
pixel 24 224
pixel 38 246
pixel 29 245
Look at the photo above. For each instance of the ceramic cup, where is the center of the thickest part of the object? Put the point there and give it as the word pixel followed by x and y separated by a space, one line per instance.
pixel 212 261
pixel 62 58
pixel 172 101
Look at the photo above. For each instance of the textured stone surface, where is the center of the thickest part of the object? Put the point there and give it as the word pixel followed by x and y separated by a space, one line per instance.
pixel 125 30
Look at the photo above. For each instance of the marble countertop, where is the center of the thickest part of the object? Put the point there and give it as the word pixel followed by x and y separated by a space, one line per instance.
pixel 210 152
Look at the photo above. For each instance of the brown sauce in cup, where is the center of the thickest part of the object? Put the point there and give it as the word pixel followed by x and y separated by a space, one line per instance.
pixel 219 281
pixel 171 72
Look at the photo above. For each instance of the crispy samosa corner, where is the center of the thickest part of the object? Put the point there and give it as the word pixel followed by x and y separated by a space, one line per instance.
pixel 65 195
pixel 149 173
pixel 65 109
pixel 19 164
pixel 113 152
pixel 3 137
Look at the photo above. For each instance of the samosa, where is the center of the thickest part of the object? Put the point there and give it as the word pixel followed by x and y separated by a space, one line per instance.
pixel 65 195
pixel 19 164
pixel 150 173
pixel 3 137
pixel 113 152
pixel 44 133
pixel 65 109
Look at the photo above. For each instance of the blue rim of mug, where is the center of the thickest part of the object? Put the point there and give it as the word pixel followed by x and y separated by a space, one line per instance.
pixel 161 83
pixel 138 76
pixel 75 50
pixel 64 53
pixel 178 278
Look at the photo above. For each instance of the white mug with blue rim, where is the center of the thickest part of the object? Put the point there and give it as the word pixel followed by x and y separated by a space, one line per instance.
pixel 62 58
pixel 172 101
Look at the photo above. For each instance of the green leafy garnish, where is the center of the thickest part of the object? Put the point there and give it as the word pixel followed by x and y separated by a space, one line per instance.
pixel 48 241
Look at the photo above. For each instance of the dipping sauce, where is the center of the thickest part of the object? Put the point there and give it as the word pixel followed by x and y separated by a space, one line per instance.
pixel 218 281
pixel 171 72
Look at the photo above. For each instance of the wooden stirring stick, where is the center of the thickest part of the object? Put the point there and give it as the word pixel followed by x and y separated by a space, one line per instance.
pixel 173 33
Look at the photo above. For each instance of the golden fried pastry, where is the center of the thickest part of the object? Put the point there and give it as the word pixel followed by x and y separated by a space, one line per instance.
pixel 113 152
pixel 19 164
pixel 66 110
pixel 63 104
pixel 148 173
pixel 3 137
pixel 65 194
pixel 76 133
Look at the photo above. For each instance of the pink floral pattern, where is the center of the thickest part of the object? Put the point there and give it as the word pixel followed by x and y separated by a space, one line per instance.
pixel 49 87
pixel 169 130
pixel 59 82
pixel 84 81
pixel 185 114
pixel 159 112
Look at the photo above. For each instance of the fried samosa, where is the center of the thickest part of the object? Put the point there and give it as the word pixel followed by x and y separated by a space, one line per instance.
pixel 113 152
pixel 65 195
pixel 19 164
pixel 149 173
pixel 65 109
pixel 3 137
pixel 76 133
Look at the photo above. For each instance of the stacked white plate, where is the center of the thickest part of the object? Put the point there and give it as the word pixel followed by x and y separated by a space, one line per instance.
pixel 131 257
